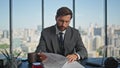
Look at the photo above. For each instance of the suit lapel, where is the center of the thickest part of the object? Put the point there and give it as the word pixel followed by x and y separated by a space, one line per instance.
pixel 67 38
pixel 54 40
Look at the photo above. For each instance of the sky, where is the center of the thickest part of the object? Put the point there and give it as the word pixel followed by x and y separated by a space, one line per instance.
pixel 27 13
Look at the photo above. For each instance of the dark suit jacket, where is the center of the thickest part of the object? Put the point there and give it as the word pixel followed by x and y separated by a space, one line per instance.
pixel 72 42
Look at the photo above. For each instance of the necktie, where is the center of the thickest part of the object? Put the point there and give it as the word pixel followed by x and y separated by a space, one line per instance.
pixel 61 42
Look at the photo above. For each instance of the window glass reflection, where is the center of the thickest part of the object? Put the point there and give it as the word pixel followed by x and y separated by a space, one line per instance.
pixel 27 25
pixel 4 25
pixel 113 28
pixel 89 20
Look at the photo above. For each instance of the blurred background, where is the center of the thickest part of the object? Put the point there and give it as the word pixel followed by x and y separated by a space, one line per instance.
pixel 29 17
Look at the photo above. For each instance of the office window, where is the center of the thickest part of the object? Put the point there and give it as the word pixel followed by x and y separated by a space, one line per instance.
pixel 4 25
pixel 113 28
pixel 50 8
pixel 89 20
pixel 27 25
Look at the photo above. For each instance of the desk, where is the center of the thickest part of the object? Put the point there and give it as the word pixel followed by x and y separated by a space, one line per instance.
pixel 25 64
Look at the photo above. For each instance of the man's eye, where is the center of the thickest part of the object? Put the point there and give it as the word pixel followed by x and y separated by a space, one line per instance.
pixel 61 21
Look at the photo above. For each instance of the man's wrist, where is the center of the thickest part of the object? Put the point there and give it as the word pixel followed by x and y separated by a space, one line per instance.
pixel 78 56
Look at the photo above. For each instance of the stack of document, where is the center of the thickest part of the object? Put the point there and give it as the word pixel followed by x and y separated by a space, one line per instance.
pixel 59 61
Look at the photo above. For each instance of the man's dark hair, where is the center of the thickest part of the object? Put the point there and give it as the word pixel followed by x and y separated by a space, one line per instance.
pixel 63 11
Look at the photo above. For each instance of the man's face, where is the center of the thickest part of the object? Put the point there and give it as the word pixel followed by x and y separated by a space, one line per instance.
pixel 63 22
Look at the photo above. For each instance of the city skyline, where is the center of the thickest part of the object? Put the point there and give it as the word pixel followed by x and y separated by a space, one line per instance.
pixel 26 40
pixel 27 13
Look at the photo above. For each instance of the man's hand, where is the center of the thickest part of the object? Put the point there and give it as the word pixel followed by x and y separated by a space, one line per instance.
pixel 71 57
pixel 42 56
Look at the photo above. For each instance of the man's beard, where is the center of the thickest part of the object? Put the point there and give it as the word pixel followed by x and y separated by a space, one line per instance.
pixel 61 28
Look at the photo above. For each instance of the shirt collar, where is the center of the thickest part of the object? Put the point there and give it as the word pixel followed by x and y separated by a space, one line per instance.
pixel 58 31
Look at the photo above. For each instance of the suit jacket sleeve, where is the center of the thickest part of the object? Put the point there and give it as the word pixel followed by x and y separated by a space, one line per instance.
pixel 80 48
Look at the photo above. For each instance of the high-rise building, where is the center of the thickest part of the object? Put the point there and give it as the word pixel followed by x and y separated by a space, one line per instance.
pixel 98 31
pixel 97 42
pixel 5 34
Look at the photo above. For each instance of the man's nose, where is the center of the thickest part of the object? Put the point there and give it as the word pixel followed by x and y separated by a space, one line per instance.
pixel 63 23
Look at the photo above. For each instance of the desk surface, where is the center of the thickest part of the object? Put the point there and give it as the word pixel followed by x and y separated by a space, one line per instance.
pixel 25 64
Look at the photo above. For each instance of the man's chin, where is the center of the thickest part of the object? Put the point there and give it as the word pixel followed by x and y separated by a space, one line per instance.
pixel 62 29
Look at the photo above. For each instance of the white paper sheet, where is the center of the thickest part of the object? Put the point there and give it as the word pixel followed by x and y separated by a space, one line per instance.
pixel 74 64
pixel 59 61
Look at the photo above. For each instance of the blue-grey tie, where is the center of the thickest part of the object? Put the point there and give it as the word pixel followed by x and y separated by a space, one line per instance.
pixel 61 42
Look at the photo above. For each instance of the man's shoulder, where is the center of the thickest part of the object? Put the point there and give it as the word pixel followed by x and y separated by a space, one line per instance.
pixel 47 29
pixel 73 29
